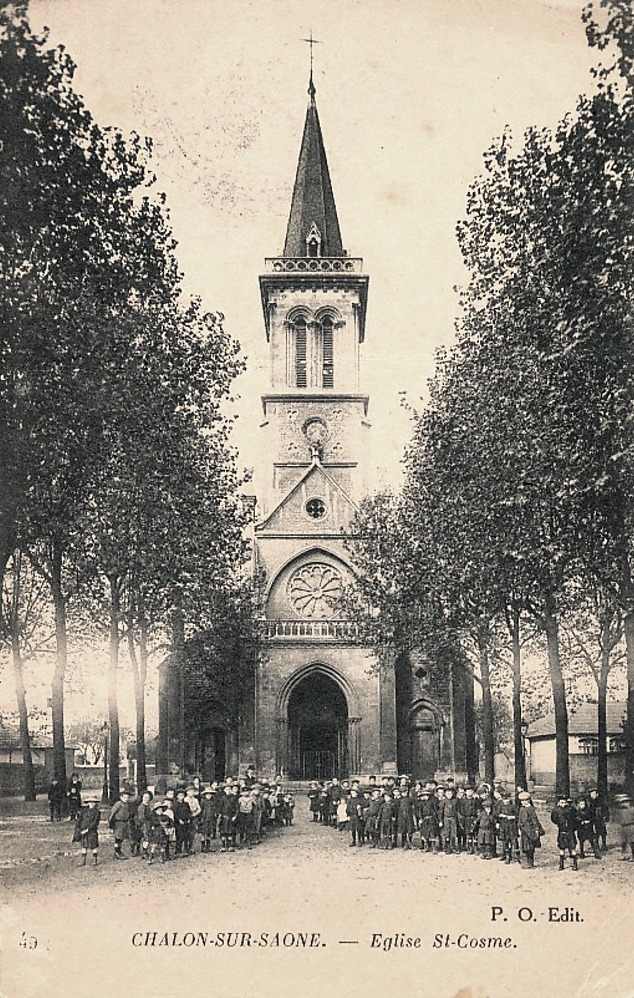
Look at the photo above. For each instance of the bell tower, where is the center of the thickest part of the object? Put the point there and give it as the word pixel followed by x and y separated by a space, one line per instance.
pixel 324 706
pixel 314 299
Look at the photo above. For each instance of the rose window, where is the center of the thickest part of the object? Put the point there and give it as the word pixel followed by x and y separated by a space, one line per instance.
pixel 315 590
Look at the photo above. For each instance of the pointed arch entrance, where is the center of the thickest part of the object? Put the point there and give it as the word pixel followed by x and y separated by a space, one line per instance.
pixel 318 737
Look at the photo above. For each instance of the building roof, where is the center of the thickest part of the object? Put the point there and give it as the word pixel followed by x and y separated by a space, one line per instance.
pixel 313 201
pixel 582 721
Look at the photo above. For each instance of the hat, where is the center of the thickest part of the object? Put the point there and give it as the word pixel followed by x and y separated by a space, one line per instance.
pixel 524 795
pixel 124 793
pixel 207 790
pixel 91 800
pixel 157 804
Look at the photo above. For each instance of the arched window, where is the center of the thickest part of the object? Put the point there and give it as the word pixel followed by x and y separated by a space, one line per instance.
pixel 300 352
pixel 328 360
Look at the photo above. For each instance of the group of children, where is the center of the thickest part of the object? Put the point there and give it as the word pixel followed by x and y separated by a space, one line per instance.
pixel 237 813
pixel 454 819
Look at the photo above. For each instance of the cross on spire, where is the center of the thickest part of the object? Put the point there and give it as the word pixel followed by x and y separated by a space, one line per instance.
pixel 311 41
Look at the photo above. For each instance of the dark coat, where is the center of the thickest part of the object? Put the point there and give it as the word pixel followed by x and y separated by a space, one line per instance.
pixel 119 820
pixel 530 828
pixel 86 827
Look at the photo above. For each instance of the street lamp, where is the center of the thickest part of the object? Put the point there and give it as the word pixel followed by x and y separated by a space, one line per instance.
pixel 105 793
pixel 524 730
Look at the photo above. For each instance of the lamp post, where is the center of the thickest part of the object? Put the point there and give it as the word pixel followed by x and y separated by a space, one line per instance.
pixel 105 793
pixel 524 730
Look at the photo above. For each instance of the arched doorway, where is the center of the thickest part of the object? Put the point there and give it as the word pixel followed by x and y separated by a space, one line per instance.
pixel 317 729
pixel 424 741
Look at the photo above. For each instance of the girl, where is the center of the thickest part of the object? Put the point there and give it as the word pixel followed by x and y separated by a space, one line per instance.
pixel 86 830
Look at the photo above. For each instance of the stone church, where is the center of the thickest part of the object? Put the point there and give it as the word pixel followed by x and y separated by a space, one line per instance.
pixel 322 704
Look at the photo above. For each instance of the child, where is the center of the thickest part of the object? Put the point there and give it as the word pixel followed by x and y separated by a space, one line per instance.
pixel 118 822
pixel 529 827
pixel 354 813
pixel 86 830
pixel 564 817
pixel 600 814
pixel 372 831
pixel 585 829
pixel 467 817
pixel 143 822
pixel 385 820
pixel 193 803
pixel 428 821
pixel 342 814
pixel 448 815
pixel 207 819
pixel 507 827
pixel 486 830
pixel 158 825
pixel 313 797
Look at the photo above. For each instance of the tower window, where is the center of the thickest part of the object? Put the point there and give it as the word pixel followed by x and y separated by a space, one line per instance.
pixel 313 247
pixel 300 353
pixel 328 363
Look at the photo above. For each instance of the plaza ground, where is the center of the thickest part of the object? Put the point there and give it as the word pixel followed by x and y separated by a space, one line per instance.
pixel 308 916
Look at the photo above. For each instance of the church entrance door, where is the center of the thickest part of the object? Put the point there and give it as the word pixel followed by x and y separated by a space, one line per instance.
pixel 424 744
pixel 318 729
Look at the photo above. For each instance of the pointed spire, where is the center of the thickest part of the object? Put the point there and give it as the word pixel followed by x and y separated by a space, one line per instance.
pixel 313 209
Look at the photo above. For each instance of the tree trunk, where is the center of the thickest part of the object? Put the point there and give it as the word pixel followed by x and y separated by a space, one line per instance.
pixel 628 624
pixel 178 660
pixel 139 697
pixel 562 766
pixel 471 745
pixel 519 748
pixel 113 705
pixel 602 734
pixel 488 733
pixel 61 659
pixel 162 742
pixel 25 738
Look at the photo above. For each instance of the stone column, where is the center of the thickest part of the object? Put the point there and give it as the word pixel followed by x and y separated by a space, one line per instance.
pixel 387 695
pixel 281 751
pixel 354 745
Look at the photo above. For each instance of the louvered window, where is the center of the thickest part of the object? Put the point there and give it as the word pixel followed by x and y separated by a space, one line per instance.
pixel 328 364
pixel 300 353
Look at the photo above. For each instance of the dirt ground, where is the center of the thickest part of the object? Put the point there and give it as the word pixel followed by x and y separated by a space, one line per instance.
pixel 304 914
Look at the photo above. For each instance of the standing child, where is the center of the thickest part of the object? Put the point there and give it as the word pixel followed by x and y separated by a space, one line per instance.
pixel 529 826
pixel 428 821
pixel 507 828
pixel 342 815
pixel 600 814
pixel 86 833
pixel 143 823
pixel 118 822
pixel 486 830
pixel 564 817
pixel 585 829
pixel 385 820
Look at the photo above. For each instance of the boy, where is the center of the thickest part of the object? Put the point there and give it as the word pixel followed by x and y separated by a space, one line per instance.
pixel 428 821
pixel 507 827
pixel 448 815
pixel 207 819
pixel 585 829
pixel 529 826
pixel 467 818
pixel 118 822
pixel 86 830
pixel 486 830
pixel 385 820
pixel 353 811
pixel 564 817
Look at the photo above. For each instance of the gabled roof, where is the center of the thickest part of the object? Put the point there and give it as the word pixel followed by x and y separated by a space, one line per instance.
pixel 582 721
pixel 313 468
pixel 313 200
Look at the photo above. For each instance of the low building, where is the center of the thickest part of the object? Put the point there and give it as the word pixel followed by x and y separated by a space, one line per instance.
pixel 583 745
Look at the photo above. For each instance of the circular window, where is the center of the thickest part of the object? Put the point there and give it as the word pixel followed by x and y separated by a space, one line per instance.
pixel 315 590
pixel 316 508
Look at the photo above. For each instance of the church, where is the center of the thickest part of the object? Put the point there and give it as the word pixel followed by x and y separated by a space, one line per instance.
pixel 322 704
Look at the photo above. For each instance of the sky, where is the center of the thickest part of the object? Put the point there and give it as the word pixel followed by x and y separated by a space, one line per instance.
pixel 410 94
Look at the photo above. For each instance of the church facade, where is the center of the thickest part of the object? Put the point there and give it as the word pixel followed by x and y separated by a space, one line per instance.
pixel 322 703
